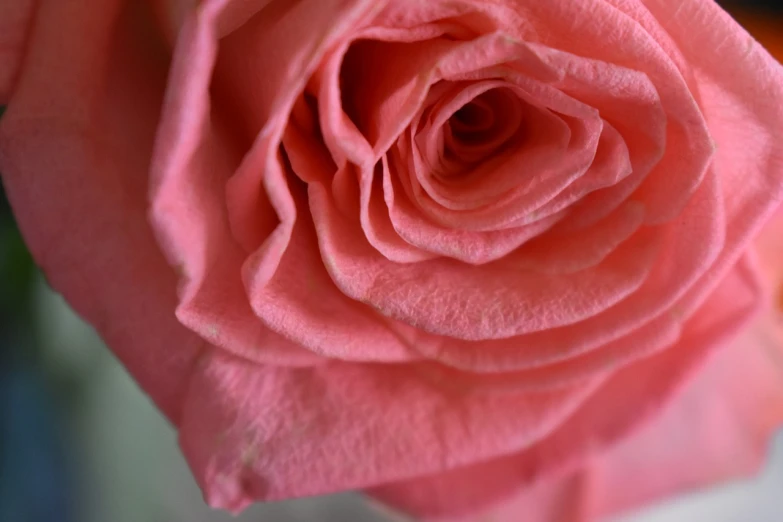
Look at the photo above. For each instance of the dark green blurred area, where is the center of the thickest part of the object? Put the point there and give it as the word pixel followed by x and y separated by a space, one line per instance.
pixel 17 271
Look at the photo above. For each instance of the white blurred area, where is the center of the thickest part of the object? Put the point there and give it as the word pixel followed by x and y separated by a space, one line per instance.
pixel 129 468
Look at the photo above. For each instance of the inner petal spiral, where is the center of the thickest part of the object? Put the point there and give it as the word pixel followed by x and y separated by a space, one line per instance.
pixel 482 127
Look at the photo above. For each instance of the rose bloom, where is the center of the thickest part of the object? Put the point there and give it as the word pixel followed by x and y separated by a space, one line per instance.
pixel 483 260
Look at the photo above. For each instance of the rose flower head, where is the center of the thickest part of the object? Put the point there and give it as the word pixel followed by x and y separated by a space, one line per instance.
pixel 516 259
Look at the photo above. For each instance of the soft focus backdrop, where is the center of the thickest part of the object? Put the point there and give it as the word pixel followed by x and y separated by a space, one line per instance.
pixel 79 442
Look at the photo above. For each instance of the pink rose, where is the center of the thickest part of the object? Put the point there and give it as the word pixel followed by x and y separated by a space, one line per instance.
pixel 469 256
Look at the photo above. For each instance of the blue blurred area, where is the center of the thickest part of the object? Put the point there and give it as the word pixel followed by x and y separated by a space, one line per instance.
pixel 34 485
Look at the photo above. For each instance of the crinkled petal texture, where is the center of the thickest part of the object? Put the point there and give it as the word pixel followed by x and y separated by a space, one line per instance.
pixel 465 255
pixel 713 428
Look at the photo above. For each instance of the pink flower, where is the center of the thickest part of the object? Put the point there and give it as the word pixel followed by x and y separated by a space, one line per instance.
pixel 469 256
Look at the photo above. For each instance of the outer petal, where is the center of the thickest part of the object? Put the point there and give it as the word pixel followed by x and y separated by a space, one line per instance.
pixel 74 160
pixel 266 433
pixel 718 429
pixel 741 101
pixel 171 15
pixel 769 246
pixel 713 428
pixel 15 20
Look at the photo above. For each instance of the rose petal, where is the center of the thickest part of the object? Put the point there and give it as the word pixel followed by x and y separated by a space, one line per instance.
pixel 263 433
pixel 558 25
pixel 475 312
pixel 744 105
pixel 377 218
pixel 555 168
pixel 559 252
pixel 719 423
pixel 741 102
pixel 347 143
pixel 622 105
pixel 556 145
pixel 265 85
pixel 194 156
pixel 82 150
pixel 689 147
pixel 284 301
pixel 171 15
pixel 694 257
pixel 301 303
pixel 16 17
pixel 382 84
pixel 719 429
pixel 769 246
pixel 473 247
pixel 455 300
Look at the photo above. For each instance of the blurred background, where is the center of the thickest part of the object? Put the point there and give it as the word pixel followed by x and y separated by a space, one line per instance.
pixel 79 442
